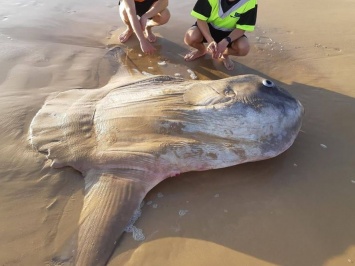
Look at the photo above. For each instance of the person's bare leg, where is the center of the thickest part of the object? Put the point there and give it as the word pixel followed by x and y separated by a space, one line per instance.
pixel 239 47
pixel 126 34
pixel 158 20
pixel 194 38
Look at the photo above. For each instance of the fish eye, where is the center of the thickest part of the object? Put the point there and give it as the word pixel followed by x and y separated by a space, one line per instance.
pixel 268 83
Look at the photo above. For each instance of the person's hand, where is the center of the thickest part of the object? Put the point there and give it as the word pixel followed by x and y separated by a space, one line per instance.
pixel 147 47
pixel 212 49
pixel 221 47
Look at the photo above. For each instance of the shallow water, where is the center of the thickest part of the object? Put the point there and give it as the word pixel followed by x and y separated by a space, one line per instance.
pixel 296 209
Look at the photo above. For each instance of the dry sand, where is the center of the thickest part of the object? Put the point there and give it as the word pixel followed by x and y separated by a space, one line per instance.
pixel 296 209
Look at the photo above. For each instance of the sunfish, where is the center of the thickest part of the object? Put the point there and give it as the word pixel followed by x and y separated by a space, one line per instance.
pixel 127 137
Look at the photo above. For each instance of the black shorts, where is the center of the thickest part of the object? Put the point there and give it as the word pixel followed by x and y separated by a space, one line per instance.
pixel 217 35
pixel 143 7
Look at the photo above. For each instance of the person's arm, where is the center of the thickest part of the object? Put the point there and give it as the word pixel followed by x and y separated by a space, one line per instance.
pixel 203 27
pixel 246 22
pixel 157 7
pixel 212 45
pixel 202 11
pixel 222 45
pixel 136 26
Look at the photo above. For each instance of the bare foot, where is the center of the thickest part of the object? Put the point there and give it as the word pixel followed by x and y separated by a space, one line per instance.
pixel 124 36
pixel 194 55
pixel 150 35
pixel 229 65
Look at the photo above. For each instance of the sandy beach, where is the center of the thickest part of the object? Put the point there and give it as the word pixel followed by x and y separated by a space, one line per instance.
pixel 295 209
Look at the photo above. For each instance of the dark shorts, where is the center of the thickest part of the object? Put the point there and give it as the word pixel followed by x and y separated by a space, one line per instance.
pixel 143 7
pixel 217 35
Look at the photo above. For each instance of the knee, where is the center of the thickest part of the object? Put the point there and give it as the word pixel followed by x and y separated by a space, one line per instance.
pixel 242 47
pixel 244 50
pixel 164 16
pixel 193 36
pixel 188 38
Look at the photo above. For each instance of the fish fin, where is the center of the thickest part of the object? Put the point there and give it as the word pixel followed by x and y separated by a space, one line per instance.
pixel 207 95
pixel 109 203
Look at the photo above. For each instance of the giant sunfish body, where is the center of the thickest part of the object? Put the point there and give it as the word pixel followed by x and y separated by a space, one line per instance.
pixel 125 138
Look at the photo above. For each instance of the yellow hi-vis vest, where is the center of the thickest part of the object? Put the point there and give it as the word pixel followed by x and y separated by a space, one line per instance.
pixel 227 21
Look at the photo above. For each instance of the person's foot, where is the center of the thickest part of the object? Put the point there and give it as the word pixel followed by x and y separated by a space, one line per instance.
pixel 194 55
pixel 150 35
pixel 124 36
pixel 228 63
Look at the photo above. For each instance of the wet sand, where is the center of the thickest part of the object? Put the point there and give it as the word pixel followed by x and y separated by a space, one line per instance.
pixel 296 209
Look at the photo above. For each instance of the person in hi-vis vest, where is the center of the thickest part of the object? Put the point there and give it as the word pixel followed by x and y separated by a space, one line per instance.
pixel 221 24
